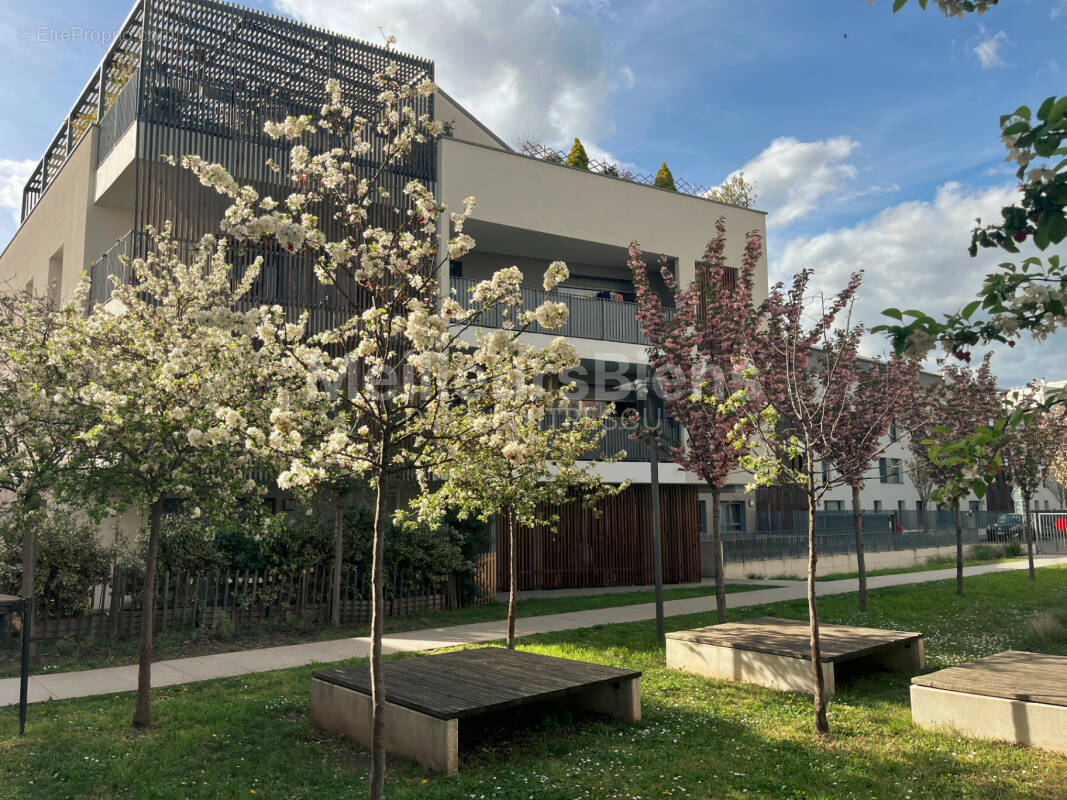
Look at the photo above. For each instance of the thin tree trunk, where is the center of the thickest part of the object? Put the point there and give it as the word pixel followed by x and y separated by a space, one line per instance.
pixel 822 726
pixel 1028 531
pixel 338 557
pixel 716 545
pixel 142 715
pixel 861 564
pixel 959 550
pixel 513 575
pixel 377 677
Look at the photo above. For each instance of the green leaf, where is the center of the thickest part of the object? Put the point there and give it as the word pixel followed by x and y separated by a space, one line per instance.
pixel 899 4
pixel 979 488
pixel 1055 227
pixel 1058 111
pixel 1023 112
pixel 1015 128
pixel 970 308
pixel 894 313
pixel 1046 108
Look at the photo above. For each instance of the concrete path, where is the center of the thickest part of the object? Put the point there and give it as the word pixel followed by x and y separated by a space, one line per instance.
pixel 112 680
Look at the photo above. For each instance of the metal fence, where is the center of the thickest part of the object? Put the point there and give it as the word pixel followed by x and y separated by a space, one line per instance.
pixel 746 547
pixel 208 599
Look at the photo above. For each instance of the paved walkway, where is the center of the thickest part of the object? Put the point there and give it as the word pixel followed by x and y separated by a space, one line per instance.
pixel 112 680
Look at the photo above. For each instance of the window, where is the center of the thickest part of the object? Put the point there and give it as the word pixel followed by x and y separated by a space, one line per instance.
pixel 975 506
pixel 889 470
pixel 1046 505
pixel 455 268
pixel 55 277
pixel 893 436
pixel 834 505
pixel 732 516
pixel 877 505
pixel 901 505
pixel 825 471
pixel 702 517
pixel 920 506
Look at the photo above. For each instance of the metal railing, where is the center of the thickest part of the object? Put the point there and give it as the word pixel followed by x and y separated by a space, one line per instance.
pixel 617 437
pixel 588 317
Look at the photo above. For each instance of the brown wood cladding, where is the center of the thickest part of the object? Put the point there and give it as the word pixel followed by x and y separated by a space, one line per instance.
pixel 613 548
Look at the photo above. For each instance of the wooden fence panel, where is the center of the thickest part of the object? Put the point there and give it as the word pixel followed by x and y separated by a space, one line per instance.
pixel 612 548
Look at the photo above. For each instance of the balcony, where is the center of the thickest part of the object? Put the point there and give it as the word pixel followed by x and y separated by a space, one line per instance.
pixel 589 318
pixel 617 437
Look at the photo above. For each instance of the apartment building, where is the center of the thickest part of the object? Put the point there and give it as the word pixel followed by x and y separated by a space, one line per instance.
pixel 202 77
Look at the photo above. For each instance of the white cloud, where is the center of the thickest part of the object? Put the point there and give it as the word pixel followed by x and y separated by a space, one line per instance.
pixel 1058 10
pixel 792 176
pixel 537 71
pixel 13 177
pixel 988 49
pixel 914 255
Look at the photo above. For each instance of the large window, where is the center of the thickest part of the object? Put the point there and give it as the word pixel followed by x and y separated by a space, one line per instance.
pixel 889 470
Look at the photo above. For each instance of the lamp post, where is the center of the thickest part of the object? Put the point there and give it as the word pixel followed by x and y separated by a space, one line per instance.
pixel 641 389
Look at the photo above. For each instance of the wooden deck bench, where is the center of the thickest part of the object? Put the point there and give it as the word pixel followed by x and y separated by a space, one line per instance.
pixel 1012 696
pixel 427 697
pixel 776 652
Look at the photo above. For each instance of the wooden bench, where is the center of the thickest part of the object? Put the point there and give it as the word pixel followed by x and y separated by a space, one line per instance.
pixel 1012 696
pixel 428 696
pixel 777 652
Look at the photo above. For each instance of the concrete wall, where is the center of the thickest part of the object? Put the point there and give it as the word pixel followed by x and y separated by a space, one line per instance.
pixel 828 564
pixel 535 195
pixel 65 225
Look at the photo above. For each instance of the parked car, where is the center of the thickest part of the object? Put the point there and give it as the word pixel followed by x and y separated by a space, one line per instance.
pixel 1006 526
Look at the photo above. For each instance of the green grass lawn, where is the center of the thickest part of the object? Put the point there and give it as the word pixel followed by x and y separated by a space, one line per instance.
pixel 249 737
pixel 933 563
pixel 86 652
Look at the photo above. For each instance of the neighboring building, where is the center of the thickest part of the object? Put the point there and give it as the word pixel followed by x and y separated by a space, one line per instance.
pixel 202 77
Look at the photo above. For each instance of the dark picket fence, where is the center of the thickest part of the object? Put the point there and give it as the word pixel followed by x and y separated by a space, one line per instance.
pixel 244 598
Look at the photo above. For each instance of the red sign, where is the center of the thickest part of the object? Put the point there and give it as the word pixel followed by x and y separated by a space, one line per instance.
pixel 1061 524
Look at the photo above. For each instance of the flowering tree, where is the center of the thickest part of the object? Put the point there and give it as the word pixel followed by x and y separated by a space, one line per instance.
pixel 1029 452
pixel 699 354
pixel 805 394
pixel 38 418
pixel 963 403
pixel 393 388
pixel 521 464
pixel 168 361
pixel 871 396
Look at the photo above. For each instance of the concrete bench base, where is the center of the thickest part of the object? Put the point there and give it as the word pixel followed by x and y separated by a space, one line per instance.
pixel 998 718
pixel 432 742
pixel 429 699
pixel 774 653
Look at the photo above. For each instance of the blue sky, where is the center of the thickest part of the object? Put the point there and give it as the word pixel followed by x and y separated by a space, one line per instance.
pixel 873 136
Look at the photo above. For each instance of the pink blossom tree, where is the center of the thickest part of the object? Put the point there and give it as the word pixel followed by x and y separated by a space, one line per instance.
pixel 698 355
pixel 870 395
pixel 798 412
pixel 944 415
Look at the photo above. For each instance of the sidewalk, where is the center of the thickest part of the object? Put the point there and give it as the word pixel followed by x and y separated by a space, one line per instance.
pixel 112 680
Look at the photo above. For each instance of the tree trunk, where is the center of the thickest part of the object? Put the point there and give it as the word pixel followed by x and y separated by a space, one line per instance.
pixel 959 550
pixel 377 678
pixel 861 564
pixel 822 726
pixel 1028 532
pixel 717 559
pixel 513 575
pixel 338 558
pixel 142 715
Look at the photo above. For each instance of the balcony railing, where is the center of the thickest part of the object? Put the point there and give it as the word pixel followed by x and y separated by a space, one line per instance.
pixel 589 317
pixel 617 437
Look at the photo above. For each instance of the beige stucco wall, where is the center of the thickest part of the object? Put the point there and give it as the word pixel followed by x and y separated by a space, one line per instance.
pixel 534 195
pixel 66 221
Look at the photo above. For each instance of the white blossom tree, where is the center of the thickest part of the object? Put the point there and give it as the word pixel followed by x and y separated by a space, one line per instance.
pixel 169 361
pixel 392 388
pixel 522 461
